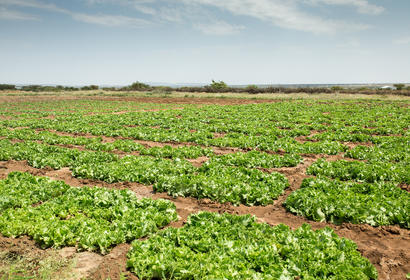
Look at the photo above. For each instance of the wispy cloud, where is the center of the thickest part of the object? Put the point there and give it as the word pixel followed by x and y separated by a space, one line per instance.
pixel 284 14
pixel 109 20
pixel 402 41
pixel 33 4
pixel 6 14
pixel 218 28
pixel 100 19
pixel 288 14
pixel 362 6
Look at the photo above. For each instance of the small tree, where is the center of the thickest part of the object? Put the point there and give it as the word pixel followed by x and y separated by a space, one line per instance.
pixel 139 86
pixel 252 89
pixel 218 86
pixel 399 86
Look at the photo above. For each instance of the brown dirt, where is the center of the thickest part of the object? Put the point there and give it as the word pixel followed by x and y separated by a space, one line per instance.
pixel 198 161
pixel 170 100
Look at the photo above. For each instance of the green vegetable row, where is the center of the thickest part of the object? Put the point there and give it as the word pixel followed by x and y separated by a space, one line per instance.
pixel 361 171
pixel 176 177
pixel 214 246
pixel 96 144
pixel 377 204
pixel 93 219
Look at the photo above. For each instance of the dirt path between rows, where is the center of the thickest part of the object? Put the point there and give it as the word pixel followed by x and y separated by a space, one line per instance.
pixel 388 248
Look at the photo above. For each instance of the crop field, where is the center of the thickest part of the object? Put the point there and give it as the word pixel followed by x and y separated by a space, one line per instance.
pixel 204 188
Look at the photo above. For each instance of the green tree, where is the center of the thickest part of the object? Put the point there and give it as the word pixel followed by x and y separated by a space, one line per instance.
pixel 221 85
pixel 399 86
pixel 139 86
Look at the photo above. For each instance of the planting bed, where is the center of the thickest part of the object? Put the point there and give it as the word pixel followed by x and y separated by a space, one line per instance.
pixel 304 189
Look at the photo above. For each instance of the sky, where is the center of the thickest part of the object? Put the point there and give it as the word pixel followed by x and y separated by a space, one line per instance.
pixel 117 42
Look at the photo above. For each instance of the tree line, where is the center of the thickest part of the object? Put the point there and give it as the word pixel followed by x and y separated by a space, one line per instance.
pixel 216 87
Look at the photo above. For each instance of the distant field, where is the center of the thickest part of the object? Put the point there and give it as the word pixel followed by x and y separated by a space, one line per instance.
pixel 104 93
pixel 326 177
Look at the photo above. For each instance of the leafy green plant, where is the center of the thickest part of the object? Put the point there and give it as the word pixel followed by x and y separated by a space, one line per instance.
pixel 237 185
pixel 376 204
pixel 214 246
pixel 361 171
pixel 94 219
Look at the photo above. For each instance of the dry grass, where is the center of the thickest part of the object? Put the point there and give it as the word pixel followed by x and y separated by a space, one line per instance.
pixel 49 265
pixel 335 96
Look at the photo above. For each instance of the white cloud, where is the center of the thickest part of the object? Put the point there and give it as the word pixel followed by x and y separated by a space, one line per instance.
pixel 402 41
pixel 100 19
pixel 363 6
pixel 6 14
pixel 144 9
pixel 32 4
pixel 218 28
pixel 284 14
pixel 109 20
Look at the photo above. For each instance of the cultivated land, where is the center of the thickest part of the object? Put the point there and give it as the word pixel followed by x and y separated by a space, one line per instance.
pixel 178 176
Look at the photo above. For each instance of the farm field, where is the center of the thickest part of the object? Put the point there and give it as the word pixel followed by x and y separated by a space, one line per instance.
pixel 204 188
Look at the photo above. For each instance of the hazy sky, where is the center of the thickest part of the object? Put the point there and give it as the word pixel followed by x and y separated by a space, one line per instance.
pixel 189 41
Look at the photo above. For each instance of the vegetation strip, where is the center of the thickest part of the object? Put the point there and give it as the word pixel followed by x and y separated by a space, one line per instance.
pixel 93 219
pixel 376 204
pixel 214 246
pixel 178 177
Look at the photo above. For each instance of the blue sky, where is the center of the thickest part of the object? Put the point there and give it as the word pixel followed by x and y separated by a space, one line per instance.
pixel 193 41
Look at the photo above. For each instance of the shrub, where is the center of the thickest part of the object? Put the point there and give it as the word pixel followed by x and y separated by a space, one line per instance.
pixel 399 86
pixel 139 86
pixel 217 86
pixel 252 89
pixel 7 87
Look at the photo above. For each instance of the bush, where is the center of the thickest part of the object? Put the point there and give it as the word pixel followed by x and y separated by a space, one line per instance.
pixel 220 86
pixel 7 87
pixel 399 86
pixel 139 86
pixel 336 88
pixel 252 89
pixel 91 87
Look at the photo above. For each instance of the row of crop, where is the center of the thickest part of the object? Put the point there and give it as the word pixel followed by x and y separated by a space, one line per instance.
pixel 177 177
pixel 361 171
pixel 93 219
pixel 214 246
pixel 392 149
pixel 261 118
pixel 377 204
pixel 208 246
pixel 256 119
pixel 240 123
pixel 288 145
pixel 77 107
pixel 357 191
pixel 96 144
